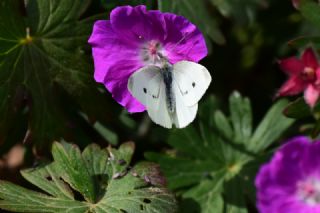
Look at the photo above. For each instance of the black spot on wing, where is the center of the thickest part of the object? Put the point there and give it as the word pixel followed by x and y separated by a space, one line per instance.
pixel 145 90
pixel 193 84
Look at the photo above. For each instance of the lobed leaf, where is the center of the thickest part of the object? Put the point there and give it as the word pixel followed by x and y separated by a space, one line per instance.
pixel 271 127
pixel 210 167
pixel 42 52
pixel 96 180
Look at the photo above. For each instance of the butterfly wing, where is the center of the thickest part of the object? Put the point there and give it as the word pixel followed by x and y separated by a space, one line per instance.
pixel 193 80
pixel 184 114
pixel 147 86
pixel 138 82
pixel 156 103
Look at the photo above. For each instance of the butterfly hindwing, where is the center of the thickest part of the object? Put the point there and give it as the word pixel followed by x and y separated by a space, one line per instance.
pixel 184 114
pixel 193 80
pixel 156 103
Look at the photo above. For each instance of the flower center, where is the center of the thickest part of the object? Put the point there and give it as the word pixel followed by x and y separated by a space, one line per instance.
pixel 308 191
pixel 152 52
pixel 308 74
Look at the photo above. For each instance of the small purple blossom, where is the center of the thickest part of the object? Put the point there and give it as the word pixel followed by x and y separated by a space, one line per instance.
pixel 135 37
pixel 290 182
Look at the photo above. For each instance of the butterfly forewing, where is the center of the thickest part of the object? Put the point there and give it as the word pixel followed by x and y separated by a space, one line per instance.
pixel 193 80
pixel 138 82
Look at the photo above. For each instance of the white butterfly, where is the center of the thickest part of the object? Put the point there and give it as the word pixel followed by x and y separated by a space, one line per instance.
pixel 171 93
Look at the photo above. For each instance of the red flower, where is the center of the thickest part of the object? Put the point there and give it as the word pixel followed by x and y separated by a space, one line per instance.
pixel 296 3
pixel 304 75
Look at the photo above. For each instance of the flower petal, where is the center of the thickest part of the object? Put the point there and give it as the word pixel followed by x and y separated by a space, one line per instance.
pixel 292 65
pixel 116 81
pixel 318 74
pixel 293 86
pixel 114 62
pixel 311 162
pixel 277 180
pixel 136 24
pixel 309 58
pixel 311 95
pixel 184 41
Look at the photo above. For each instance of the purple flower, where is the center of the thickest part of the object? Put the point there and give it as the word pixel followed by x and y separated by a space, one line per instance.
pixel 135 37
pixel 290 182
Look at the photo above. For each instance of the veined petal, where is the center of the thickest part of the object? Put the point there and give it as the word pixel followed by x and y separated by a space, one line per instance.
pixel 309 58
pixel 184 41
pixel 318 74
pixel 276 195
pixel 311 95
pixel 292 65
pixel 116 81
pixel 293 86
pixel 107 49
pixel 114 61
pixel 137 25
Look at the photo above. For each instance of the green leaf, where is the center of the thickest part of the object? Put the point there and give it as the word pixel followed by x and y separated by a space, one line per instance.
pixel 316 130
pixel 235 202
pixel 208 108
pixel 297 109
pixel 272 126
pixel 223 124
pixel 207 193
pixel 196 12
pixel 42 50
pixel 241 117
pixel 111 4
pixel 241 12
pixel 303 41
pixel 210 165
pixel 311 11
pixel 108 135
pixel 96 180
pixel 71 165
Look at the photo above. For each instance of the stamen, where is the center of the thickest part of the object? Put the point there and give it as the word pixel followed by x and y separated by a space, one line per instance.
pixel 308 191
pixel 152 53
pixel 308 74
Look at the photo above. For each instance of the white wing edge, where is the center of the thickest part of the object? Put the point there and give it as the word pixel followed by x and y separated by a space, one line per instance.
pixel 139 81
pixel 157 107
pixel 184 115
pixel 183 70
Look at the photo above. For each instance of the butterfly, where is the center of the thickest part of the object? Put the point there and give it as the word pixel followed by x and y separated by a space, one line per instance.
pixel 170 93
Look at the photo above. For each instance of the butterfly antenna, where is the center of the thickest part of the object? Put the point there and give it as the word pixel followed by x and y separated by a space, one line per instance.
pixel 181 40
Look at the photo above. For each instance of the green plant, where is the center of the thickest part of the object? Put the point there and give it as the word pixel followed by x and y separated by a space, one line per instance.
pixel 96 180
pixel 214 168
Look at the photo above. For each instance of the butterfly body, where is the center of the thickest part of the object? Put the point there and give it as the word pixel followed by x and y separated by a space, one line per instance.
pixel 171 92
pixel 167 75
